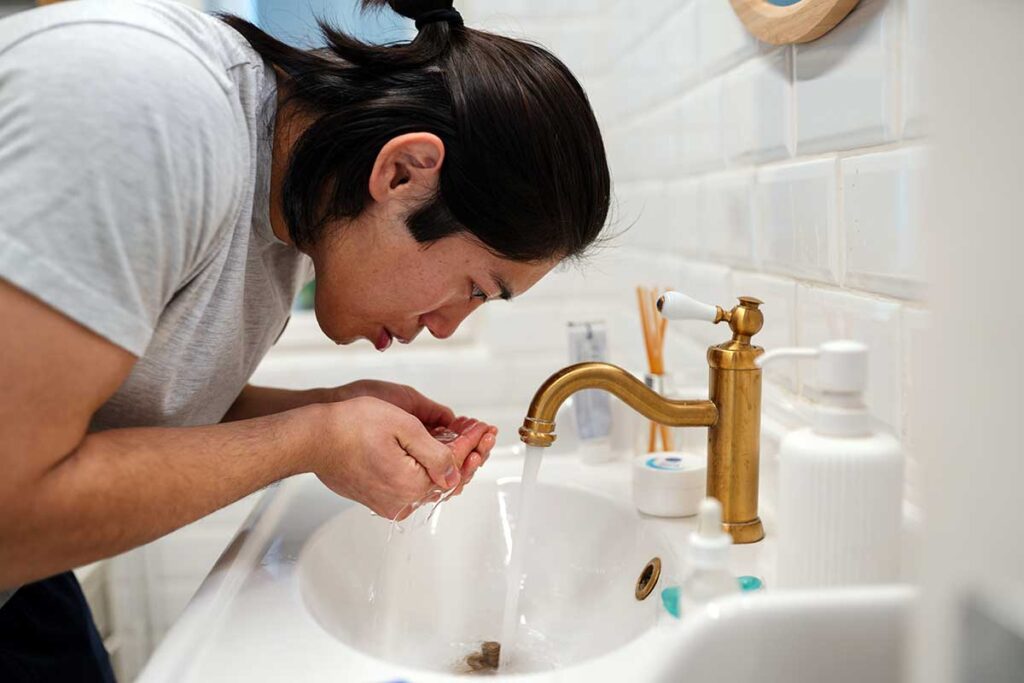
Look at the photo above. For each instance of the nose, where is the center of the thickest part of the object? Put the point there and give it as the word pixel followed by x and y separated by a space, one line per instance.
pixel 443 322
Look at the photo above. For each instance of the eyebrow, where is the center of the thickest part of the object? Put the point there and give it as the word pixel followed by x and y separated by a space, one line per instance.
pixel 506 292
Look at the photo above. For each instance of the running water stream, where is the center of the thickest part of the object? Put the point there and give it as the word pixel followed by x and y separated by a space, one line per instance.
pixel 385 631
pixel 514 577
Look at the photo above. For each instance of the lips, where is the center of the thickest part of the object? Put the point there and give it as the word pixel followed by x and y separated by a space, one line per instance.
pixel 383 340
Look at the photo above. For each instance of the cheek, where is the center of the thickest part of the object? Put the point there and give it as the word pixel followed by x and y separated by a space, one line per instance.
pixel 410 297
pixel 391 284
pixel 362 296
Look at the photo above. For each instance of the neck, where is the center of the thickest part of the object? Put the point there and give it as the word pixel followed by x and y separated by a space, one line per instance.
pixel 286 131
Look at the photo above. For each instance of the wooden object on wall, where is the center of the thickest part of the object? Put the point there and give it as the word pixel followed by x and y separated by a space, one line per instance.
pixel 799 23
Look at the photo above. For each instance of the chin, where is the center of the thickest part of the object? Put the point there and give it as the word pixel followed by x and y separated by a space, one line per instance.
pixel 345 341
pixel 340 337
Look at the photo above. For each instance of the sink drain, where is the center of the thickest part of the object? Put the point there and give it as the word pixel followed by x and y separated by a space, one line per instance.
pixel 486 660
pixel 648 578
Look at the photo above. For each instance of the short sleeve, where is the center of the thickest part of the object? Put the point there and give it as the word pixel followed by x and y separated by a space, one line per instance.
pixel 121 160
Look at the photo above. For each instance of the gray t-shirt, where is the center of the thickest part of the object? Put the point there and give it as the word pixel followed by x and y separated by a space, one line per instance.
pixel 134 182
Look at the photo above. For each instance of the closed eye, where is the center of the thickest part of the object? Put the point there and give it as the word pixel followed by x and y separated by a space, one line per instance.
pixel 476 293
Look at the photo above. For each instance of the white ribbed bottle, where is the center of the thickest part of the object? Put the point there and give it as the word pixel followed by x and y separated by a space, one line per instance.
pixel 840 483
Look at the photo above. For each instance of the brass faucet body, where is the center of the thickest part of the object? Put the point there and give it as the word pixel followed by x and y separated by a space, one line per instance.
pixel 539 426
pixel 732 414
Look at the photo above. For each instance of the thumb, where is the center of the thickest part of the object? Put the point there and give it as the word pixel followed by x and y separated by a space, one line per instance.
pixel 435 457
pixel 431 412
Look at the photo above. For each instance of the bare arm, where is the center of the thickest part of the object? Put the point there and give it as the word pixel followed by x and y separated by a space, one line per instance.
pixel 256 401
pixel 67 498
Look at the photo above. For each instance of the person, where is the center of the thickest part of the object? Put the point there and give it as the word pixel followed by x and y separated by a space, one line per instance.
pixel 169 180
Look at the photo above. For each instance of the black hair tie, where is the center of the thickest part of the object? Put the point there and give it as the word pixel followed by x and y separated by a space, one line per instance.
pixel 449 14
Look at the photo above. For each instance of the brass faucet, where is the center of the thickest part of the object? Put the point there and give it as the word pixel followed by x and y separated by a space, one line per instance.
pixel 732 412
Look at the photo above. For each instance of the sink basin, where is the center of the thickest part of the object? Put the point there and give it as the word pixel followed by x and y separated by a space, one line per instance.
pixel 427 597
pixel 290 599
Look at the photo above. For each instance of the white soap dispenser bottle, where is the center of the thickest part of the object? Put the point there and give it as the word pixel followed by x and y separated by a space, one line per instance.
pixel 840 482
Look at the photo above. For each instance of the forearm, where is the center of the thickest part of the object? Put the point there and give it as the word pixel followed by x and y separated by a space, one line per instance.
pixel 256 401
pixel 122 488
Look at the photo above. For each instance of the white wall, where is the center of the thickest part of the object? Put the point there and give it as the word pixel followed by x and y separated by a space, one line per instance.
pixel 790 174
pixel 970 626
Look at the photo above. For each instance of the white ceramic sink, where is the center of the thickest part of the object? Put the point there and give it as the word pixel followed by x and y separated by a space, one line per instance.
pixel 290 598
pixel 428 597
pixel 852 635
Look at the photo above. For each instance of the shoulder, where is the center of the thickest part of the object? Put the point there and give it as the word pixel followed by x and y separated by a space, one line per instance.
pixel 118 129
pixel 118 78
pixel 122 41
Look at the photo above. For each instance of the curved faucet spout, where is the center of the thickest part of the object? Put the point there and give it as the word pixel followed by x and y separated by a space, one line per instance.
pixel 539 426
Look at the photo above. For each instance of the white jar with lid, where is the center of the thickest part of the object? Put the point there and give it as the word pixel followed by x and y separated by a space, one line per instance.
pixel 669 484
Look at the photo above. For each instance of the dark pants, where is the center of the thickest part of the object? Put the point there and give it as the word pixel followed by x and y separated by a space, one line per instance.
pixel 47 634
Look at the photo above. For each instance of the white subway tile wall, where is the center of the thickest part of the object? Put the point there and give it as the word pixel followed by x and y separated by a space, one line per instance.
pixel 699 129
pixel 796 214
pixel 726 217
pixel 846 83
pixel 789 173
pixel 914 45
pixel 721 36
pixel 757 109
pixel 882 222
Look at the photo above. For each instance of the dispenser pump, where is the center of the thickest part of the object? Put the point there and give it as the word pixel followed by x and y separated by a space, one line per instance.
pixel 842 378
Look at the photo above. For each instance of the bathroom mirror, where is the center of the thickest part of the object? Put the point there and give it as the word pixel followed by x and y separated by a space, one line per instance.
pixel 781 22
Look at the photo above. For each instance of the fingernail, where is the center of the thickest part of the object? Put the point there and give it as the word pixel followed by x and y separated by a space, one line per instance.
pixel 451 477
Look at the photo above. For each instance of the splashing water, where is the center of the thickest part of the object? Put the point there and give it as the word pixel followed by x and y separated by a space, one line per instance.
pixel 514 578
pixel 521 648
pixel 422 511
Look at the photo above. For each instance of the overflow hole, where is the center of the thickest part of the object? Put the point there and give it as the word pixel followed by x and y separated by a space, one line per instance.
pixel 648 578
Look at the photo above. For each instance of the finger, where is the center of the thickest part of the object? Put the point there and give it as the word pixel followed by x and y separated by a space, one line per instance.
pixel 487 441
pixel 486 444
pixel 430 412
pixel 467 442
pixel 435 457
pixel 469 468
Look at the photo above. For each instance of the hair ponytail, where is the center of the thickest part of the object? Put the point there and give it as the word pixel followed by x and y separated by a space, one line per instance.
pixel 524 170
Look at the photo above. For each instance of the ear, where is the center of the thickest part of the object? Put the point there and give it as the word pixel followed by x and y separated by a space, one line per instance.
pixel 408 167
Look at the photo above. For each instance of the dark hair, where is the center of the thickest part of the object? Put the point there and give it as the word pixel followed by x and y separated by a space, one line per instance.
pixel 524 169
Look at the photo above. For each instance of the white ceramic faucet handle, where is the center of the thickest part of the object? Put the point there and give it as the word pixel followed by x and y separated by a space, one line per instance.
pixel 678 306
